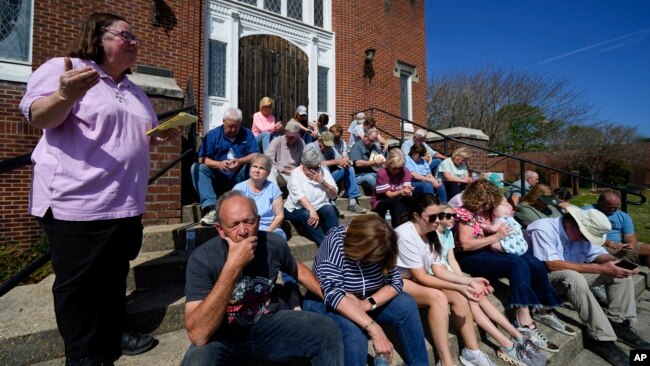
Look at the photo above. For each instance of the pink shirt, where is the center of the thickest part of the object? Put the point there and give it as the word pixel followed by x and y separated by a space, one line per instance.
pixel 263 124
pixel 95 165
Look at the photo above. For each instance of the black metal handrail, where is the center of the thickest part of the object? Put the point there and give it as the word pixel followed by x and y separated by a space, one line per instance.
pixel 23 160
pixel 625 191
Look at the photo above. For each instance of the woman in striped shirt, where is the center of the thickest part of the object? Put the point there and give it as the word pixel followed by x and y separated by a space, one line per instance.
pixel 361 286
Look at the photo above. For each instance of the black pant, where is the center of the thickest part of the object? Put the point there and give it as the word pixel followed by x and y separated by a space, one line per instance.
pixel 397 206
pixel 454 188
pixel 91 261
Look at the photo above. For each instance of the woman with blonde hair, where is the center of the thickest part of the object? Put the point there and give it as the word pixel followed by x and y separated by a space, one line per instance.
pixel 393 188
pixel 264 125
pixel 538 203
pixel 361 286
pixel 453 172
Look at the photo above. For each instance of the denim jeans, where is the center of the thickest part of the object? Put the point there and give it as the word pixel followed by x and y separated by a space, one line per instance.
pixel 281 336
pixel 264 139
pixel 367 179
pixel 454 188
pixel 426 187
pixel 434 165
pixel 349 179
pixel 401 311
pixel 529 283
pixel 210 182
pixel 327 214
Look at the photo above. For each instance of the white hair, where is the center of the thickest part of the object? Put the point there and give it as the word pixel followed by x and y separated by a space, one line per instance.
pixel 233 113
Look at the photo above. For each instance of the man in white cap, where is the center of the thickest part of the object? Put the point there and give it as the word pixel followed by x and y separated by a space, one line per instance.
pixel 571 248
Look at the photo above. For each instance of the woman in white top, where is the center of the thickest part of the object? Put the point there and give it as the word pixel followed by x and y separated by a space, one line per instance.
pixel 311 190
pixel 454 173
pixel 418 244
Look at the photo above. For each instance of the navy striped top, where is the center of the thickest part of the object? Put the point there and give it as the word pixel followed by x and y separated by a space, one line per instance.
pixel 339 274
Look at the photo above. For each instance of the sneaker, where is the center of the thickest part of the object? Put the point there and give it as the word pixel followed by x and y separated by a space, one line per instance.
pixel 609 351
pixel 481 359
pixel 356 209
pixel 135 343
pixel 600 294
pixel 516 356
pixel 534 353
pixel 210 218
pixel 627 335
pixel 537 338
pixel 552 321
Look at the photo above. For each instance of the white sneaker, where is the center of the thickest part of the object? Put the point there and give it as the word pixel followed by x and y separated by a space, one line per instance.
pixel 210 218
pixel 481 360
pixel 537 338
pixel 551 320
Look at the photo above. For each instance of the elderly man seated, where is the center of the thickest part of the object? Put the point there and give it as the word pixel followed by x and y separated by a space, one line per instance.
pixel 286 152
pixel 571 248
pixel 223 161
pixel 367 159
pixel 419 137
pixel 621 240
pixel 232 312
pixel 514 192
pixel 340 167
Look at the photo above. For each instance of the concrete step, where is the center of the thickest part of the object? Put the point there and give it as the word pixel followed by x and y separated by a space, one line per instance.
pixel 163 237
pixel 342 203
pixel 152 269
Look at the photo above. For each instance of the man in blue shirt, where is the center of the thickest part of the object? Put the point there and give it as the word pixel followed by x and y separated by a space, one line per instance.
pixel 223 162
pixel 622 241
pixel 571 248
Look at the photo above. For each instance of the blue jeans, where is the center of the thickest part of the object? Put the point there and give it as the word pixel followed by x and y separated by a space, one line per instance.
pixel 281 336
pixel 401 311
pixel 434 165
pixel 350 180
pixel 454 188
pixel 327 214
pixel 264 139
pixel 529 284
pixel 367 179
pixel 426 187
pixel 210 182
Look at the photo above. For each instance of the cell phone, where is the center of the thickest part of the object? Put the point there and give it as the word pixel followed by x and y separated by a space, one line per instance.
pixel 626 264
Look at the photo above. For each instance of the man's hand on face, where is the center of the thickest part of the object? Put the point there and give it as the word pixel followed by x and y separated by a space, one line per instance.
pixel 242 252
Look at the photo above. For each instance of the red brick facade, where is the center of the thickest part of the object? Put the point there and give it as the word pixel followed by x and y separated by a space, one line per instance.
pixel 56 23
pixel 395 29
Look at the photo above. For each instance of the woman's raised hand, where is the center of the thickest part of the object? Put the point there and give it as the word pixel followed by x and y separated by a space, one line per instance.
pixel 74 83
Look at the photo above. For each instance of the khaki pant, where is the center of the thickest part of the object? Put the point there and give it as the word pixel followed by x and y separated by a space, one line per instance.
pixel 621 302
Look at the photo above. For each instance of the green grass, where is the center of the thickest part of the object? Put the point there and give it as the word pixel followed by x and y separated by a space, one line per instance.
pixel 640 213
pixel 13 259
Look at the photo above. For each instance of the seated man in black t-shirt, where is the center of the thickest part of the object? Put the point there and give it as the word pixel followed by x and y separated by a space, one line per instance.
pixel 231 313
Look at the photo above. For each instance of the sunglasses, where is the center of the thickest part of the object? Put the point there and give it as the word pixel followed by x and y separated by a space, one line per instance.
pixel 126 36
pixel 440 216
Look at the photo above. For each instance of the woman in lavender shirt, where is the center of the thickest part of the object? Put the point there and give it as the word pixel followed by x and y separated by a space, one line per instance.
pixel 91 168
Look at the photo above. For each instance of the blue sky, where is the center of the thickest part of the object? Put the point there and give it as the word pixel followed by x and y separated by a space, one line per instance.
pixel 602 47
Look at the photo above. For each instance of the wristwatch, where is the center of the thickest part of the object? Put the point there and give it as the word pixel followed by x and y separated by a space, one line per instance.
pixel 373 303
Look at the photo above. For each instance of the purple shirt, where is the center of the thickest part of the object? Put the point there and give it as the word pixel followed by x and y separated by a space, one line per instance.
pixel 95 165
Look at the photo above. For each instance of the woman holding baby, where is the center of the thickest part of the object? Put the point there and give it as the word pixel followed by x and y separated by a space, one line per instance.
pixel 481 254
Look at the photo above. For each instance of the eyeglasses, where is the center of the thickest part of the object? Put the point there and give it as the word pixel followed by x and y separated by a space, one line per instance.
pixel 126 36
pixel 440 216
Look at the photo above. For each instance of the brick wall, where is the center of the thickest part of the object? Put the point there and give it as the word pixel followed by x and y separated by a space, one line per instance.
pixel 395 29
pixel 176 44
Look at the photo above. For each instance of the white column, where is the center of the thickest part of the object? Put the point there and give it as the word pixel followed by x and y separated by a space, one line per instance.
pixel 233 67
pixel 313 79
pixel 327 14
pixel 308 11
